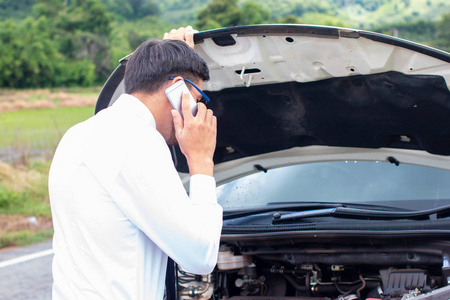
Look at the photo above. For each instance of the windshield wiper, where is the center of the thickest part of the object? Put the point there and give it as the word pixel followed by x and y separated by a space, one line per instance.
pixel 281 207
pixel 358 213
pixel 243 212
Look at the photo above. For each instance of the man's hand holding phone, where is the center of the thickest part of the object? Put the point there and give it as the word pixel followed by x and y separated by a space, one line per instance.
pixel 174 93
pixel 196 136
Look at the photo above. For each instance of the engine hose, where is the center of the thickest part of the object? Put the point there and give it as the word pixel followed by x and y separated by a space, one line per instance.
pixel 358 291
pixel 295 284
pixel 328 289
pixel 194 292
pixel 308 284
pixel 343 293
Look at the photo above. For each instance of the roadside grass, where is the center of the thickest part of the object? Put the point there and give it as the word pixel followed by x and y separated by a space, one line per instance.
pixel 23 190
pixel 33 133
pixel 28 137
pixel 25 215
pixel 24 238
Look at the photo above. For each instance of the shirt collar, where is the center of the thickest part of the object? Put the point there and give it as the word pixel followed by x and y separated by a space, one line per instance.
pixel 133 105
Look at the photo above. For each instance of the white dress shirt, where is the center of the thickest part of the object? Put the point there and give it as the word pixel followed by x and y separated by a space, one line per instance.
pixel 120 209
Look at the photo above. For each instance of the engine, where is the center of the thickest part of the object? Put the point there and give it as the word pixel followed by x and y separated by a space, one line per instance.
pixel 321 274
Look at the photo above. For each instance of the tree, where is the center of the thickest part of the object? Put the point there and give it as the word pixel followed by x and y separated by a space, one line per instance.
pixel 253 13
pixel 443 32
pixel 289 19
pixel 142 8
pixel 48 8
pixel 15 8
pixel 420 31
pixel 67 43
pixel 219 13
pixel 135 39
pixel 30 58
pixel 81 29
pixel 132 9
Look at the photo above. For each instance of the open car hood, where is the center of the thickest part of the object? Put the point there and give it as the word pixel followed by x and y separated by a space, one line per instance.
pixel 284 91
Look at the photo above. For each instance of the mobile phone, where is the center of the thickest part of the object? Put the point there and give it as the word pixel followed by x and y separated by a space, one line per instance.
pixel 174 93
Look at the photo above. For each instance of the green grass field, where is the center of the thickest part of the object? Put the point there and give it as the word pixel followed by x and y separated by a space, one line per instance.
pixel 36 132
pixel 28 139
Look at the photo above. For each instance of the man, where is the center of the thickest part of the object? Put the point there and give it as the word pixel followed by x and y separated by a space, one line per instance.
pixel 119 208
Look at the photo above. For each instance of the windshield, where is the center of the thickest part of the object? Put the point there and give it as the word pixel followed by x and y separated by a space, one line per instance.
pixel 405 186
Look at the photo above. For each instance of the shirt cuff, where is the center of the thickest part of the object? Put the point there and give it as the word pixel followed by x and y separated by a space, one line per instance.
pixel 202 189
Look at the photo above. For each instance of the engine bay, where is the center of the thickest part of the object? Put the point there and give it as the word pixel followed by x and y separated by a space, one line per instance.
pixel 396 270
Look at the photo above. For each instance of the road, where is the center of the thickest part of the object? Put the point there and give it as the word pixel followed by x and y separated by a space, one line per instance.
pixel 26 273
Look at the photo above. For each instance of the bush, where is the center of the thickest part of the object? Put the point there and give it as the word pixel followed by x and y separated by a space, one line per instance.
pixel 23 191
pixel 75 73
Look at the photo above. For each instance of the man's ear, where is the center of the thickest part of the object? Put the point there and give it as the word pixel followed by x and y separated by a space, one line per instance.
pixel 175 79
pixel 172 80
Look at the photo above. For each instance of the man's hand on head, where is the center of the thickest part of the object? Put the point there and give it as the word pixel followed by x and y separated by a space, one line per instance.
pixel 183 33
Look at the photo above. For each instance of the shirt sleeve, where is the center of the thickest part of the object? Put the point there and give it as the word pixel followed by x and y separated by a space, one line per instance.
pixel 203 189
pixel 150 193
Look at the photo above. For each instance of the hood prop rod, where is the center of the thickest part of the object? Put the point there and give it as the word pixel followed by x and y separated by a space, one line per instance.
pixel 250 77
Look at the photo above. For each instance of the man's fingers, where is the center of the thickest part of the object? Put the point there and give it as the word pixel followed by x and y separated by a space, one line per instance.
pixel 215 121
pixel 185 105
pixel 209 117
pixel 177 122
pixel 183 34
pixel 189 36
pixel 214 124
pixel 201 113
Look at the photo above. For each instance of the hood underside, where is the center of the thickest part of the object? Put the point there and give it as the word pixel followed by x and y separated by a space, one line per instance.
pixel 282 86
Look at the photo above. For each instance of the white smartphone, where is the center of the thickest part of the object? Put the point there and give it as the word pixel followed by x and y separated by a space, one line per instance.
pixel 174 93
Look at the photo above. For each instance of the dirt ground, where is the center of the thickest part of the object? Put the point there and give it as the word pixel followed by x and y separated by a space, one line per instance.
pixel 12 100
pixel 15 223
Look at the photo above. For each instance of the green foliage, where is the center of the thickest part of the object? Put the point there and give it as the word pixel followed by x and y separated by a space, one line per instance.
pixel 227 13
pixel 27 54
pixel 23 191
pixel 289 19
pixel 30 58
pixel 418 31
pixel 219 13
pixel 180 12
pixel 75 73
pixel 83 32
pixel 362 14
pixel 63 45
pixel 132 9
pixel 24 237
pixel 253 13
pixel 127 35
pixel 27 202
pixel 85 15
pixel 297 8
pixel 135 39
pixel 15 8
pixel 443 32
pixel 368 5
pixel 48 8
pixel 310 6
pixel 323 19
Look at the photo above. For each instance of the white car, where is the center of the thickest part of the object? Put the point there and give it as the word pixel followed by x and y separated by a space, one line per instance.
pixel 332 164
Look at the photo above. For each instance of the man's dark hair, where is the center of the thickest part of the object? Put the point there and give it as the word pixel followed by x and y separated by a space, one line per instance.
pixel 154 61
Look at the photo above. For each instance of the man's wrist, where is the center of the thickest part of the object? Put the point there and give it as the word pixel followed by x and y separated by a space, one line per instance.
pixel 203 166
